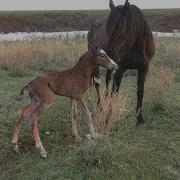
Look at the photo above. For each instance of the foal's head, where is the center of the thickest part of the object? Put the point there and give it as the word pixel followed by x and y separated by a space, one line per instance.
pixel 102 59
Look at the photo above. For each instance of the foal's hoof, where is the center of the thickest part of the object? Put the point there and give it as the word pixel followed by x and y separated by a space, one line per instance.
pixel 95 136
pixel 43 155
pixel 15 147
pixel 42 152
pixel 77 138
pixel 89 138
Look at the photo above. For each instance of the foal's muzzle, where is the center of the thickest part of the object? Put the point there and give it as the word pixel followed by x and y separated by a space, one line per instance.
pixel 113 66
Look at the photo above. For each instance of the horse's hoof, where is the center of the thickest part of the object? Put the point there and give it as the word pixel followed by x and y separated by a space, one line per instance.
pixel 140 124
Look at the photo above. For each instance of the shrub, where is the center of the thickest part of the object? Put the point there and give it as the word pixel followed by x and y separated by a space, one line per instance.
pixel 158 82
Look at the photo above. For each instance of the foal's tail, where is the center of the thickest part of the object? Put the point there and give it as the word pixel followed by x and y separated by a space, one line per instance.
pixel 19 96
pixel 23 89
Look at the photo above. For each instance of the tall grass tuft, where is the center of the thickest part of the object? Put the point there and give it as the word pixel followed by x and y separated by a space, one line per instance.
pixel 14 57
pixel 111 111
pixel 158 82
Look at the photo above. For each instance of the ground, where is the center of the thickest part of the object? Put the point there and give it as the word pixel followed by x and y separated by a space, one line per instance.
pixel 164 20
pixel 151 152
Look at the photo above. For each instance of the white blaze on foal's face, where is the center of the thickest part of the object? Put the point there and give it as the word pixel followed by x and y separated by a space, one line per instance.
pixel 105 61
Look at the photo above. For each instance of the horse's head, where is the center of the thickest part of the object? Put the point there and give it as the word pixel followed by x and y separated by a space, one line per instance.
pixel 116 14
pixel 102 59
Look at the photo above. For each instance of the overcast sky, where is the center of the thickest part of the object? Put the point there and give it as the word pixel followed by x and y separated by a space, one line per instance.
pixel 81 4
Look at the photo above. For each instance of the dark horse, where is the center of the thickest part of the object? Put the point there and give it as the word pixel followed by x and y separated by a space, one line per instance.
pixel 127 38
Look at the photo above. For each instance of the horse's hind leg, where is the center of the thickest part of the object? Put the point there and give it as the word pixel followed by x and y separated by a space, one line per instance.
pixel 22 114
pixel 34 118
pixel 140 93
pixel 74 118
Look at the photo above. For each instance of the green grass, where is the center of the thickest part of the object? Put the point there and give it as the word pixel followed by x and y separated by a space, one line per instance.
pixel 150 153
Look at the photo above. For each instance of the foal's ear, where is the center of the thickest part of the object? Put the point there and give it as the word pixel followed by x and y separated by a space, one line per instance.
pixel 93 48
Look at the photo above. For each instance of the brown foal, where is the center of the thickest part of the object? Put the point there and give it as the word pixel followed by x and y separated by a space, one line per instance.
pixel 71 83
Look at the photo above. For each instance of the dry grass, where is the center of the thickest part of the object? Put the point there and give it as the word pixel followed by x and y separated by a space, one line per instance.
pixel 111 110
pixel 158 82
pixel 173 48
pixel 16 56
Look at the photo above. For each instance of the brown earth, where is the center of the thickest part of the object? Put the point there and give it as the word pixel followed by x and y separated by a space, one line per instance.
pixel 56 22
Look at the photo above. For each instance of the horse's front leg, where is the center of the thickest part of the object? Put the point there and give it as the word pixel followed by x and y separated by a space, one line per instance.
pixel 117 79
pixel 140 93
pixel 109 80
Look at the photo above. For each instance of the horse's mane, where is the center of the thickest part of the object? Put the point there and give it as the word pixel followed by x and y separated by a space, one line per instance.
pixel 129 29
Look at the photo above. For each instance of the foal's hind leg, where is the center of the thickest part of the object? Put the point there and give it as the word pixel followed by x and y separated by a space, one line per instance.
pixel 22 114
pixel 74 123
pixel 140 93
pixel 34 118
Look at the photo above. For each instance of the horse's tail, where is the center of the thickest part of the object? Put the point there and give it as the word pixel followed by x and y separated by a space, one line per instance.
pixel 149 44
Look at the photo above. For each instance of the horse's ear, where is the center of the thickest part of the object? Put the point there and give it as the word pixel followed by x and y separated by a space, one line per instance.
pixel 111 5
pixel 125 7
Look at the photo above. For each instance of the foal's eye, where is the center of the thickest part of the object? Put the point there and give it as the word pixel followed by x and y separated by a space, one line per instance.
pixel 101 56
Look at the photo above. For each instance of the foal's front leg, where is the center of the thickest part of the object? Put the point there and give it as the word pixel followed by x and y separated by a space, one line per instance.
pixel 86 112
pixel 74 112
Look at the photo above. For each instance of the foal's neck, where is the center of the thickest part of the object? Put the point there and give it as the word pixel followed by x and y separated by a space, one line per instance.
pixel 85 63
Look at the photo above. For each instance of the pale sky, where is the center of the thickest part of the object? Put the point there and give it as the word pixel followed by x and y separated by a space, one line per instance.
pixel 81 4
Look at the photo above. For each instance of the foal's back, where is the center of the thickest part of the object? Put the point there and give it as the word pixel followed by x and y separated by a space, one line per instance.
pixel 70 83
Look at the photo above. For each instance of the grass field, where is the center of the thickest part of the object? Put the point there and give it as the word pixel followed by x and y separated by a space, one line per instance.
pixel 150 153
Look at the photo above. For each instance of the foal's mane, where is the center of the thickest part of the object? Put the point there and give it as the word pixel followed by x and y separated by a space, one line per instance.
pixel 129 29
pixel 85 58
